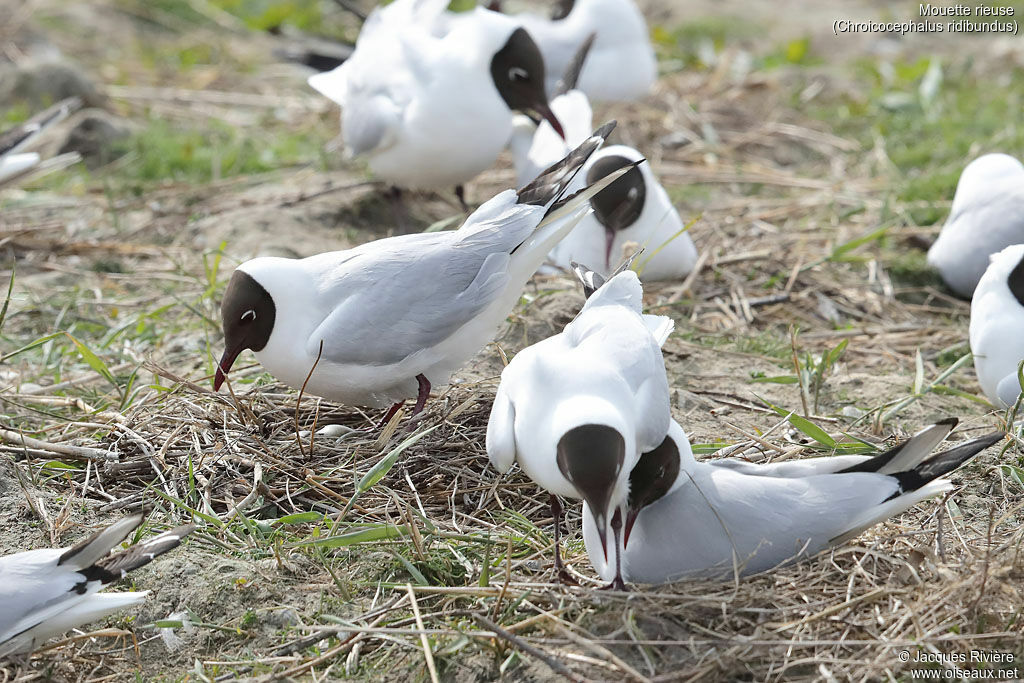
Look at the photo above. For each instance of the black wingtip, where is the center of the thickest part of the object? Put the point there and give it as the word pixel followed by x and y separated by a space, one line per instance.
pixel 116 566
pixel 572 72
pixel 945 462
pixel 588 277
pixel 553 181
pixel 592 280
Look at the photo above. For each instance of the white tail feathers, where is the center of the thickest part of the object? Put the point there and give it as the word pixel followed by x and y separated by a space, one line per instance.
pixel 661 327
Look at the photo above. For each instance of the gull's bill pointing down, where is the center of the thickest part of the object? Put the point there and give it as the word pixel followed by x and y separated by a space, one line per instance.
pixel 427 95
pixel 576 410
pixel 636 208
pixel 47 592
pixel 396 316
pixel 687 518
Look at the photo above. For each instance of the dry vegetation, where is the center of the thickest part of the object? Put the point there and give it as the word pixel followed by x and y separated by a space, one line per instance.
pixel 814 168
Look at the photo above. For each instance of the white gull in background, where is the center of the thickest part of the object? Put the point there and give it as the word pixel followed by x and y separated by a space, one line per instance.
pixel 997 326
pixel 47 592
pixel 711 519
pixel 427 95
pixel 622 65
pixel 396 316
pixel 576 410
pixel 987 215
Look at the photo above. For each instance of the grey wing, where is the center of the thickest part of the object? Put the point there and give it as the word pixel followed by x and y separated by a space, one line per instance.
pixel 398 304
pixel 792 469
pixel 370 123
pixel 34 588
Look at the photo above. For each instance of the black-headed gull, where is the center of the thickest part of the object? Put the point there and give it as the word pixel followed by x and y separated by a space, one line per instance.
pixel 997 326
pixel 427 96
pixel 15 164
pixel 636 208
pixel 399 315
pixel 622 65
pixel 576 410
pixel 712 519
pixel 49 591
pixel 987 215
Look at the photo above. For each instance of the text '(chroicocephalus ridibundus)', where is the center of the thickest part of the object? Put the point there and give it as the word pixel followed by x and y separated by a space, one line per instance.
pixel 15 163
pixel 712 519
pixel 987 216
pixel 429 99
pixel 997 326
pixel 576 410
pixel 47 592
pixel 386 320
pixel 622 65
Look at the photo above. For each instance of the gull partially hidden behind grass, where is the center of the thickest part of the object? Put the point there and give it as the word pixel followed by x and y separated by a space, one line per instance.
pixel 46 592
pixel 713 519
pixel 387 320
pixel 578 409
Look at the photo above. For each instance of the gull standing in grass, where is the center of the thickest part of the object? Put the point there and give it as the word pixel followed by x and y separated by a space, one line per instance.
pixel 997 326
pixel 576 410
pixel 713 519
pixel 987 215
pixel 635 209
pixel 385 321
pixel 427 96
pixel 46 592
pixel 622 65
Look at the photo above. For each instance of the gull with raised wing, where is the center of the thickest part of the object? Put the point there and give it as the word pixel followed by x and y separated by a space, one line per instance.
pixel 715 519
pixel 635 209
pixel 997 326
pixel 427 96
pixel 987 216
pixel 387 320
pixel 47 592
pixel 578 409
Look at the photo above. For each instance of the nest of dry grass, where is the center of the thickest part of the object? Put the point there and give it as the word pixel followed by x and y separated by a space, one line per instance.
pixel 440 568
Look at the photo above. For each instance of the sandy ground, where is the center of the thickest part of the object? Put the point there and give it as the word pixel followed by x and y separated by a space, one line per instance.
pixel 774 189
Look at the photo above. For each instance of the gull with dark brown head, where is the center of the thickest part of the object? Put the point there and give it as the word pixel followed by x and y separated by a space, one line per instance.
pixel 722 517
pixel 387 320
pixel 577 410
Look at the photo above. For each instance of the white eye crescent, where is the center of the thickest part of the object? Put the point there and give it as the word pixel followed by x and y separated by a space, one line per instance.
pixel 518 74
pixel 249 315
pixel 633 192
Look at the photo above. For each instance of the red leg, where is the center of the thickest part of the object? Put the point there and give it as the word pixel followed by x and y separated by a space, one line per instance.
pixel 421 397
pixel 390 414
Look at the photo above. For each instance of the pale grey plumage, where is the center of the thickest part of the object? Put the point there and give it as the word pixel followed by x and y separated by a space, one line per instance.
pixel 726 516
pixel 48 591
